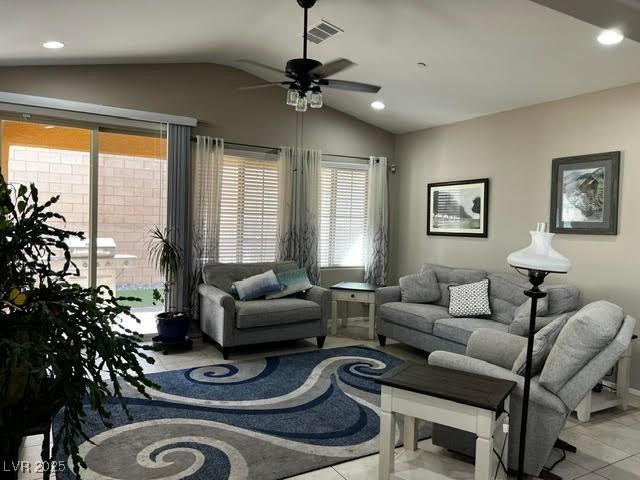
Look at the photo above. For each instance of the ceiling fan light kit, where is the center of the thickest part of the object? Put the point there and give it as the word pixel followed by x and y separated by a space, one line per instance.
pixel 307 76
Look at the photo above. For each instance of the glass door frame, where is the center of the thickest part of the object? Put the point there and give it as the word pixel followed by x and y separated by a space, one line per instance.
pixel 110 125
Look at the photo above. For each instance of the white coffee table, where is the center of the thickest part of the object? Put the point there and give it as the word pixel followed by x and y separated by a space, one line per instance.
pixel 353 292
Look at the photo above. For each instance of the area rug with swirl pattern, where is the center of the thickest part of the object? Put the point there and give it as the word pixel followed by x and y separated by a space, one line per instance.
pixel 257 419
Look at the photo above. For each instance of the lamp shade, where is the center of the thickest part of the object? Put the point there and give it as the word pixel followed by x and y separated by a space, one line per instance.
pixel 540 255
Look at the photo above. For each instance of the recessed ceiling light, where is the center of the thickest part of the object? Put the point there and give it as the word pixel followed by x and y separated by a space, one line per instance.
pixel 610 37
pixel 53 44
pixel 377 105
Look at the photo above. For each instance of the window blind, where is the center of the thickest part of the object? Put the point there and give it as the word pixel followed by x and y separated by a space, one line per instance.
pixel 343 216
pixel 248 210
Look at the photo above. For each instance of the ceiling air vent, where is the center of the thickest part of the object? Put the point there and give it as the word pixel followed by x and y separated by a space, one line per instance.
pixel 323 31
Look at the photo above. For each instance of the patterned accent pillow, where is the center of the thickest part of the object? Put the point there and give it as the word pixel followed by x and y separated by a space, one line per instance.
pixel 257 286
pixel 292 281
pixel 470 300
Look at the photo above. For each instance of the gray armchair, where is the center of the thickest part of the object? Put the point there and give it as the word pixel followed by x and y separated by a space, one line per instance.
pixel 494 353
pixel 228 322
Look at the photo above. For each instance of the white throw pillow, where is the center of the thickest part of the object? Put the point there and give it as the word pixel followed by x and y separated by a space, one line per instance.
pixel 470 300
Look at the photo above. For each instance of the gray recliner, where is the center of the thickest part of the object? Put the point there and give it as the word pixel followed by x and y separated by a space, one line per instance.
pixel 564 380
pixel 230 322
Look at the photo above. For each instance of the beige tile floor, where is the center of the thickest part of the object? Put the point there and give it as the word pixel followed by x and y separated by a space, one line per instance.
pixel 608 446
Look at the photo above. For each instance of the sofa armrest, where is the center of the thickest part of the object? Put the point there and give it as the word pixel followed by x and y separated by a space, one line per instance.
pixel 321 296
pixel 217 314
pixel 387 295
pixel 217 296
pixel 463 363
pixel 497 348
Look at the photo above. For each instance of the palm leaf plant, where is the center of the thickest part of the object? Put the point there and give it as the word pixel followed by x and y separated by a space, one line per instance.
pixel 167 257
pixel 61 345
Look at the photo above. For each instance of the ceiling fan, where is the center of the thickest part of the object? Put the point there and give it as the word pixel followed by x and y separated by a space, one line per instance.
pixel 307 76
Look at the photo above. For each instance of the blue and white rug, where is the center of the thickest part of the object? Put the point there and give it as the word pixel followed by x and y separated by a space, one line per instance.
pixel 258 419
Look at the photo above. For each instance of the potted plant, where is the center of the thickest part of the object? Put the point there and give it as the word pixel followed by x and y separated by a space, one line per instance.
pixel 167 258
pixel 61 345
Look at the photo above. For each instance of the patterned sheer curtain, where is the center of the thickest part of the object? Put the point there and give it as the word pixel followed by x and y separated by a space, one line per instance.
pixel 298 208
pixel 377 241
pixel 208 155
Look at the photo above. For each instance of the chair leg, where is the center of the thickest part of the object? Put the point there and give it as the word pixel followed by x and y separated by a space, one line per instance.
pixel 547 475
pixel 565 446
pixel 226 351
pixel 382 340
pixel 320 341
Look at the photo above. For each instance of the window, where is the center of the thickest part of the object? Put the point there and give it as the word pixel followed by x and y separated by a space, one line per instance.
pixel 343 216
pixel 248 210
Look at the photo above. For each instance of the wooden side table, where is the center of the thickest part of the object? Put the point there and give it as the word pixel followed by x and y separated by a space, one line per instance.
pixel 466 401
pixel 597 401
pixel 353 292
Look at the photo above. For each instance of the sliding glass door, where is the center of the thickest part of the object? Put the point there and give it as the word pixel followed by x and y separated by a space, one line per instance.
pixel 132 201
pixel 56 159
pixel 112 186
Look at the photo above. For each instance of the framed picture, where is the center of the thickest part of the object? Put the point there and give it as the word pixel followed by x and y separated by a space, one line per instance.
pixel 584 194
pixel 458 208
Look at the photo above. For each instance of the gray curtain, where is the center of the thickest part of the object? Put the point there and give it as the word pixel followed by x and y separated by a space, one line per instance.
pixel 377 241
pixel 178 210
pixel 298 203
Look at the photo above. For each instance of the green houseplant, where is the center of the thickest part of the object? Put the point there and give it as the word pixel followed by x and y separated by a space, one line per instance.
pixel 167 258
pixel 59 342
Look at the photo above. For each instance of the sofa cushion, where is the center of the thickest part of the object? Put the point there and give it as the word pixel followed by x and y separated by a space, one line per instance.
pixel 416 316
pixel 257 286
pixel 562 299
pixel 460 329
pixel 420 287
pixel 470 300
pixel 583 337
pixel 543 342
pixel 506 293
pixel 452 276
pixel 293 281
pixel 522 314
pixel 222 275
pixel 262 313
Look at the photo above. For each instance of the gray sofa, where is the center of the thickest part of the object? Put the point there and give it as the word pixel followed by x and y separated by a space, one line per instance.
pixel 595 338
pixel 230 322
pixel 429 327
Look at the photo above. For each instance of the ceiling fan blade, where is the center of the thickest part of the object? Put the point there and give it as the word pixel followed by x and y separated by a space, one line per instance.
pixel 331 68
pixel 350 86
pixel 263 85
pixel 262 65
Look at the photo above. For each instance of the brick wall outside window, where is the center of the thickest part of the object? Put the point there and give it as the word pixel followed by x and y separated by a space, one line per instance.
pixel 132 198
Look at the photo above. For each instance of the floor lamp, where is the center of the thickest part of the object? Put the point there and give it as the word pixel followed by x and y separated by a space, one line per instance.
pixel 538 260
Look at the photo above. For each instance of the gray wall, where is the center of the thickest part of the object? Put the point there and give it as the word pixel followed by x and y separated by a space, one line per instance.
pixel 514 149
pixel 208 92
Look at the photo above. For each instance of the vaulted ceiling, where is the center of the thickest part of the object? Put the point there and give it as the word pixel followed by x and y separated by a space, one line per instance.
pixel 481 56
